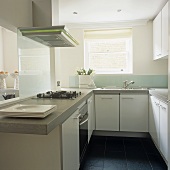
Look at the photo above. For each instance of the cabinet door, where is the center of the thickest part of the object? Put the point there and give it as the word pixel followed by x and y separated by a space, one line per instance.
pixel 154 119
pixel 134 113
pixel 107 112
pixel 164 129
pixel 70 142
pixel 165 30
pixel 91 117
pixel 157 37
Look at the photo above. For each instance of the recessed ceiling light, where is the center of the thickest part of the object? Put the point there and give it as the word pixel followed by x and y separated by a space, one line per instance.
pixel 75 13
pixel 119 10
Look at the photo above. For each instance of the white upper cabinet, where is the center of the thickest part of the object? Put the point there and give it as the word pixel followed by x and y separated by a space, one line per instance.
pixel 160 34
pixel 157 50
pixel 165 30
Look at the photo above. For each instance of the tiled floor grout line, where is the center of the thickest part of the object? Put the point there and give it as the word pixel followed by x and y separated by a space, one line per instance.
pixel 125 153
pixel 146 154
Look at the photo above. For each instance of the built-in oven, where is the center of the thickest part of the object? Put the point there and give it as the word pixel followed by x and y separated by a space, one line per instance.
pixel 83 130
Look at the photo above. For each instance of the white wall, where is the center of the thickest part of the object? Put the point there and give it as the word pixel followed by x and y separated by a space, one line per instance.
pixel 13 14
pixel 71 58
pixel 16 12
pixel 143 51
pixel 1 51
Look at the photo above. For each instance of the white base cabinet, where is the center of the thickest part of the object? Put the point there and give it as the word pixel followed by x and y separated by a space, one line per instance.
pixel 91 116
pixel 154 119
pixel 158 124
pixel 164 129
pixel 70 142
pixel 107 112
pixel 134 113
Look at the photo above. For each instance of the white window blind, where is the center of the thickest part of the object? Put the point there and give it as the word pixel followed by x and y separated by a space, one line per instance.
pixel 109 51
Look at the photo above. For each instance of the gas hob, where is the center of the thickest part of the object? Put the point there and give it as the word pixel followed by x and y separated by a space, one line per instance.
pixel 59 94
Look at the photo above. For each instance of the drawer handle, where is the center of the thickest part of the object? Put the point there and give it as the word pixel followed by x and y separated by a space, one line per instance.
pixel 157 104
pixel 127 98
pixel 163 107
pixel 106 98
pixel 89 101
pixel 77 116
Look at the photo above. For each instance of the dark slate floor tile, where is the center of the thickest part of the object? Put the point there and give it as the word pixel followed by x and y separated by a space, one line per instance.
pixel 96 149
pixel 137 160
pixel 138 163
pixel 149 146
pixel 98 140
pixel 115 161
pixel 94 161
pixel 157 162
pixel 133 144
pixel 114 144
pixel 87 167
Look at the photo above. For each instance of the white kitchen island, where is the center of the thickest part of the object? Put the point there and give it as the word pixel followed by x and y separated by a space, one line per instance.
pixel 37 144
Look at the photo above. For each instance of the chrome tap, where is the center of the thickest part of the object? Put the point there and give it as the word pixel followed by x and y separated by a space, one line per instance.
pixel 126 84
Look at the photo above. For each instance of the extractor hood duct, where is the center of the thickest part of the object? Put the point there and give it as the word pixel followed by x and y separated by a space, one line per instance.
pixel 54 36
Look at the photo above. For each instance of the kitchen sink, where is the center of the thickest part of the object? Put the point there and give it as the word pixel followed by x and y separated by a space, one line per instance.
pixel 121 88
pixel 112 87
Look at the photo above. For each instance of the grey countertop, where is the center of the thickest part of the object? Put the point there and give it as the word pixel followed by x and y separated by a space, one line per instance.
pixel 65 107
pixel 161 94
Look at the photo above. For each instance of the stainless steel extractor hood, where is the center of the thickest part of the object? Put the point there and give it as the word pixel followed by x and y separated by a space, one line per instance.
pixel 54 36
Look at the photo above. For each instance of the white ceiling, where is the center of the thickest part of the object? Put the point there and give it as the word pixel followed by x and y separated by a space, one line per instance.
pixel 105 11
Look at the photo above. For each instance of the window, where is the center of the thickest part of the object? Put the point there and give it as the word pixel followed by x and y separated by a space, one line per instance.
pixel 109 51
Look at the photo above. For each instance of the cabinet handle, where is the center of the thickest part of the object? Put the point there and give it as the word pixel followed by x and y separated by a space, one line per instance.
pixel 106 98
pixel 157 104
pixel 77 116
pixel 89 101
pixel 164 108
pixel 83 122
pixel 127 98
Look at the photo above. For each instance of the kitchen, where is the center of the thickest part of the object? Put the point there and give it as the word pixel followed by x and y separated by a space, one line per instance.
pixel 145 69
